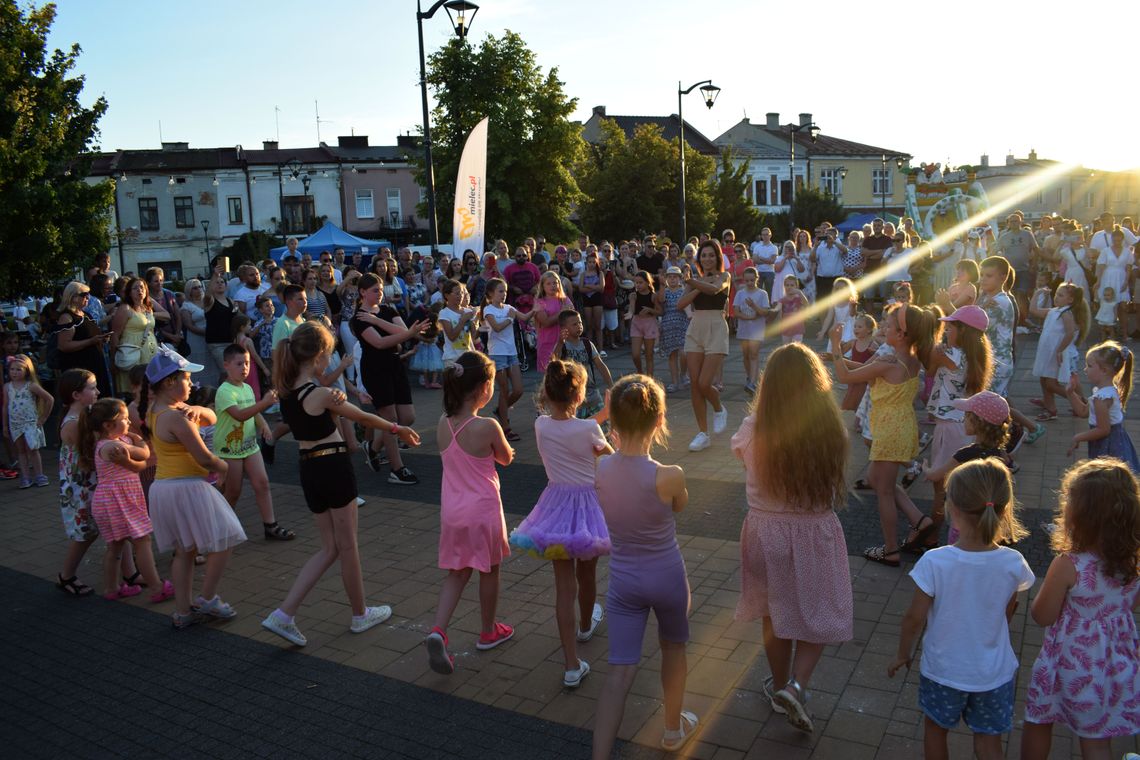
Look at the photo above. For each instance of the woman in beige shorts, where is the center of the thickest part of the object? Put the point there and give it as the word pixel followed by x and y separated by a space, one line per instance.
pixel 706 341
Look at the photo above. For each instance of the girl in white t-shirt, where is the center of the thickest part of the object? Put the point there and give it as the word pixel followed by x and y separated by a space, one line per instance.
pixel 500 321
pixel 456 320
pixel 752 310
pixel 1109 369
pixel 965 597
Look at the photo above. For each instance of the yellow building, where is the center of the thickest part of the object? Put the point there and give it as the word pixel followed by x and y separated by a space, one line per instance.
pixel 865 178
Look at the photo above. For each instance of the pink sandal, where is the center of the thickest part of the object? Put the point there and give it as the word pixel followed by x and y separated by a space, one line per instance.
pixel 164 593
pixel 122 592
pixel 501 632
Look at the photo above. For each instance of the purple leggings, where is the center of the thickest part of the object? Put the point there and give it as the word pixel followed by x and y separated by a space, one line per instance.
pixel 638 584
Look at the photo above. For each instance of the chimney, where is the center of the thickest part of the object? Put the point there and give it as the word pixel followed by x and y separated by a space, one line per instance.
pixel 772 120
pixel 269 145
pixel 352 141
pixel 1009 159
pixel 805 119
pixel 985 161
pixel 599 110
pixel 1032 154
pixel 176 146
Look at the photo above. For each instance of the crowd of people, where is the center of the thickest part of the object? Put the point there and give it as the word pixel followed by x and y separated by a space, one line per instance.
pixel 928 339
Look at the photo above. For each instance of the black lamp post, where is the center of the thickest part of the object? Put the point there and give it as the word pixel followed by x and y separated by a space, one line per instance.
pixel 462 23
pixel 709 91
pixel 813 131
pixel 395 217
pixel 206 235
pixel 888 185
pixel 305 180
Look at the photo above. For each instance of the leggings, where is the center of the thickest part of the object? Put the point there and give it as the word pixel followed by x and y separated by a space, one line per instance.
pixel 637 585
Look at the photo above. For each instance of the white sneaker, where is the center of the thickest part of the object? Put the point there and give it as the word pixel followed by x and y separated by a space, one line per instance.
pixel 595 619
pixel 572 679
pixel 287 631
pixel 373 616
pixel 700 442
pixel 360 502
pixel 720 420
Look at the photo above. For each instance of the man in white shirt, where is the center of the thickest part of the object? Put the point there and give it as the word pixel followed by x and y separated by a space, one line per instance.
pixel 764 253
pixel 828 258
pixel 251 288
pixel 1102 240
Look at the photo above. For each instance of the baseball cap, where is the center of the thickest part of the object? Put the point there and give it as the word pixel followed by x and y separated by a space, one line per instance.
pixel 974 316
pixel 166 362
pixel 673 270
pixel 988 405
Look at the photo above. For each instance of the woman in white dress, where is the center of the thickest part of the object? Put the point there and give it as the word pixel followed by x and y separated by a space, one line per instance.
pixel 786 263
pixel 194 323
pixel 1114 267
pixel 1073 259
pixel 804 253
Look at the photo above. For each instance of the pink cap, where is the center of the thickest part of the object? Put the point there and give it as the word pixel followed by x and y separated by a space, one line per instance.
pixel 988 405
pixel 974 316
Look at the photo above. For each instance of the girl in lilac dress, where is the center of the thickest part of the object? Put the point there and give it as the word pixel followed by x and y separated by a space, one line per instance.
pixel 1087 674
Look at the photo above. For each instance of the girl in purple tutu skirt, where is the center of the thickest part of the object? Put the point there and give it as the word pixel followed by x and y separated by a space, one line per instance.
pixel 567 525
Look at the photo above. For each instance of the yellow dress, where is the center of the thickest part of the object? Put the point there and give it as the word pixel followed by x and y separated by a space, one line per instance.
pixel 138 333
pixel 894 427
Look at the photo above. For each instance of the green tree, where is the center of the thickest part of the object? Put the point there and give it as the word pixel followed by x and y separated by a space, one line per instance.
pixel 251 246
pixel 531 143
pixel 632 185
pixel 733 209
pixel 52 222
pixel 814 206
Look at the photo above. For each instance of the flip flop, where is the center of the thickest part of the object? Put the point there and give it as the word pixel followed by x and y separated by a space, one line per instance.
pixel 1039 403
pixel 1046 416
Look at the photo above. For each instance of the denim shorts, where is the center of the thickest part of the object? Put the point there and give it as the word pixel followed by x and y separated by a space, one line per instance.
pixel 985 712
pixel 504 361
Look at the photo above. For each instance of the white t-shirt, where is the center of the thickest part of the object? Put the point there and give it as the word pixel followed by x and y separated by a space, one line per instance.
pixel 747 302
pixel 452 349
pixel 897 264
pixel 768 251
pixel 966 645
pixel 501 342
pixel 1109 394
pixel 829 261
pixel 20 313
pixel 1102 240
pixel 247 296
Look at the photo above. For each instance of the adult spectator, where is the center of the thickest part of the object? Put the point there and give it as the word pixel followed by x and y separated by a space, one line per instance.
pixel 477 286
pixel 96 309
pixel 728 248
pixel 564 268
pixel 318 306
pixel 380 330
pixel 296 304
pixel 913 238
pixel 276 280
pixel 358 261
pixel 521 277
pixel 338 263
pixel 828 259
pixel 651 260
pixel 896 262
pixel 133 339
pixel 853 263
pixel 1019 247
pixel 326 286
pixel 27 327
pixel 220 313
pixel 292 266
pixel 102 266
pixel 327 258
pixel 394 288
pixel 252 287
pixel 168 330
pixel 764 254
pixel 81 343
pixel 875 246
pixel 1102 239
pixel 706 340
pixel 193 313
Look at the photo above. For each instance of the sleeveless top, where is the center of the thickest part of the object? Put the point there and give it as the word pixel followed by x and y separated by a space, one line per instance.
pixel 642 301
pixel 174 461
pixel 706 302
pixel 306 427
pixel 219 319
pixel 641 525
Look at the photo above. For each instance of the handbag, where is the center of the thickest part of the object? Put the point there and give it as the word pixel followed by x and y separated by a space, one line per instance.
pixel 128 356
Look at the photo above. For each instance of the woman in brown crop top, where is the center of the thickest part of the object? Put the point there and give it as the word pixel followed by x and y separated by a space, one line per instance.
pixel 706 340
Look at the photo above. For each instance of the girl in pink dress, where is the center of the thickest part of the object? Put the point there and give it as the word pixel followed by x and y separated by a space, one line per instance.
pixel 1087 674
pixel 793 557
pixel 551 300
pixel 118 506
pixel 473 530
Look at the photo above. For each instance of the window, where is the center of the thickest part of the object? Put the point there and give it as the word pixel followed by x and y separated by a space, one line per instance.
pixel 364 206
pixel 184 211
pixel 394 202
pixel 1089 200
pixel 785 191
pixel 881 182
pixel 1039 199
pixel 1060 195
pixel 761 192
pixel 148 213
pixel 298 214
pixel 831 182
pixel 234 204
pixel 774 183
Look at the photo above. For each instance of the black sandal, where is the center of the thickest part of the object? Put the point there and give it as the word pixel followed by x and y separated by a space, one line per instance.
pixel 879 554
pixel 134 580
pixel 275 532
pixel 861 485
pixel 512 436
pixel 73 586
pixel 921 534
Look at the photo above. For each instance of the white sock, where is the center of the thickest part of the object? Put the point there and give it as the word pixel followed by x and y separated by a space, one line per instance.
pixel 282 617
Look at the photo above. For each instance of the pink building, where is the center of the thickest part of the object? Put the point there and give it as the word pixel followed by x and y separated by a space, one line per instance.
pixel 379 189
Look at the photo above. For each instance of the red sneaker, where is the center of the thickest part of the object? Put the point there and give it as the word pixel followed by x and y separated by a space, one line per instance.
pixel 6 474
pixel 502 632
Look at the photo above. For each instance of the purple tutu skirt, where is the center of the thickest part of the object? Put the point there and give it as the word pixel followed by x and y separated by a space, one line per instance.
pixel 566 523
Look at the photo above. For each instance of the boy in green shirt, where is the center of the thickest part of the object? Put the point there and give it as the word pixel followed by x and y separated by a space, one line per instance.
pixel 235 438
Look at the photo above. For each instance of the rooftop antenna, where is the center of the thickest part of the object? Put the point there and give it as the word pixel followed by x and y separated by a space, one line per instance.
pixel 160 131
pixel 317 111
pixel 277 122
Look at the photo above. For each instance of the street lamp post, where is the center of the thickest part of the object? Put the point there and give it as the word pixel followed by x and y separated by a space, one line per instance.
pixel 206 235
pixel 461 23
pixel 813 131
pixel 305 206
pixel 709 91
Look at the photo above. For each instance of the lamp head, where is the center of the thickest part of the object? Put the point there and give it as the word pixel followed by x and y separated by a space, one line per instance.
pixel 899 162
pixel 709 92
pixel 843 172
pixel 813 130
pixel 305 181
pixel 461 13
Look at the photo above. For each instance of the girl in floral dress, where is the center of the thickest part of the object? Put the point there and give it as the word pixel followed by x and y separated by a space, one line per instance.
pixel 1087 674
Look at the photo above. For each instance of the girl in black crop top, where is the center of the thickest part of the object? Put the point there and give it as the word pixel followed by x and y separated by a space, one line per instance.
pixel 327 477
pixel 706 340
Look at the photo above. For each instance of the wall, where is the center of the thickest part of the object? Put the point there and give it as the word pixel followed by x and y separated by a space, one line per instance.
pixel 378 179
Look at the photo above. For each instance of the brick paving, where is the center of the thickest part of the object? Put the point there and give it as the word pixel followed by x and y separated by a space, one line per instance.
pixel 236 690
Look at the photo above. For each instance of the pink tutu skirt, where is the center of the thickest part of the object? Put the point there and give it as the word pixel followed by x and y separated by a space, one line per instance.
pixel 189 512
pixel 566 523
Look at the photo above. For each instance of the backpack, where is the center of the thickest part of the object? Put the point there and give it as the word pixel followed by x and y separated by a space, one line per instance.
pixel 589 359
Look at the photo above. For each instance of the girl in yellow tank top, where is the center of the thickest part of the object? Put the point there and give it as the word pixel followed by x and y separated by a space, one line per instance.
pixel 893 380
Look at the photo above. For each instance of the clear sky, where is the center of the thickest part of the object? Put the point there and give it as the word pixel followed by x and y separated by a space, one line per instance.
pixel 939 80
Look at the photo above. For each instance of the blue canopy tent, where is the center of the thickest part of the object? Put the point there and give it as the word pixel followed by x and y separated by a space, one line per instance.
pixel 330 237
pixel 856 221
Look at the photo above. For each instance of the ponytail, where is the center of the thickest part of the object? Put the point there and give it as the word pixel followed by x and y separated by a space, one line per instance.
pixel 982 490
pixel 91 424
pixel 307 342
